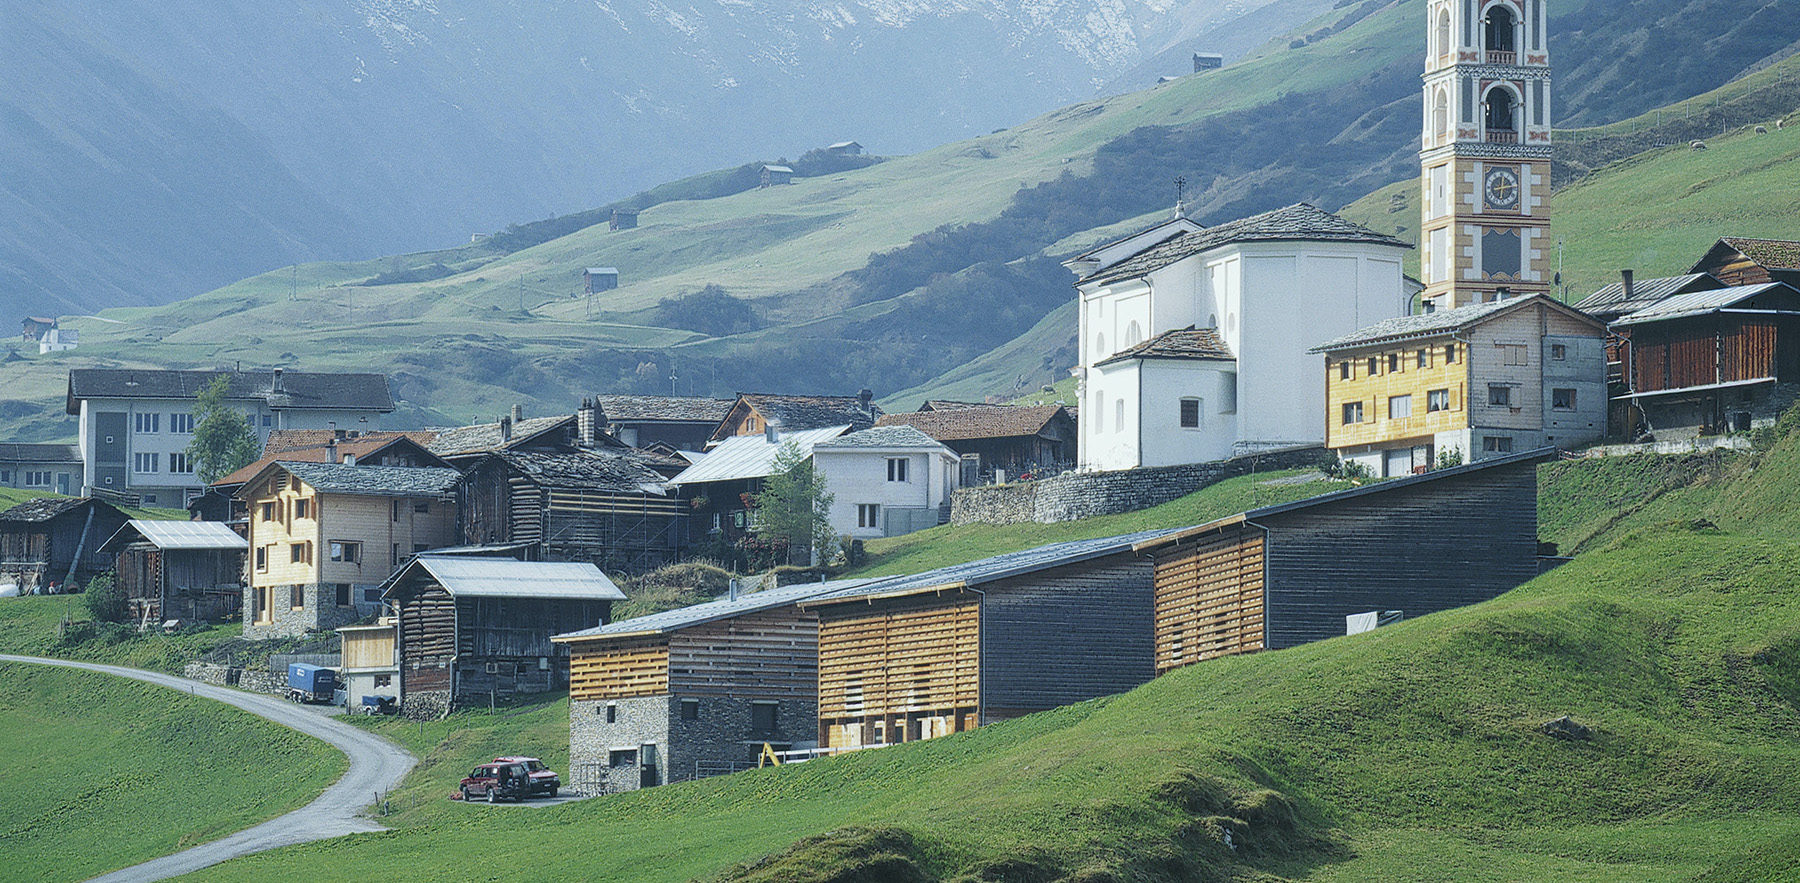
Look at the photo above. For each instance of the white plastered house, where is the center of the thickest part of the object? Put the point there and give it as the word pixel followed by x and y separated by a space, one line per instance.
pixel 1267 288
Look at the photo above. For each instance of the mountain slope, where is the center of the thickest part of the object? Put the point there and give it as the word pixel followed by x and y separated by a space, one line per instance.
pixel 858 278
pixel 419 123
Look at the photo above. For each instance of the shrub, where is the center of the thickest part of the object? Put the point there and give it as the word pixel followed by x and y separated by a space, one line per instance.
pixel 105 600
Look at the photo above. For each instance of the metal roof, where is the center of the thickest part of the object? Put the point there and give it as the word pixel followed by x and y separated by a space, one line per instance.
pixel 172 535
pixel 1700 303
pixel 475 577
pixel 603 271
pixel 999 567
pixel 713 611
pixel 1612 299
pixel 1380 487
pixel 750 456
pixel 299 389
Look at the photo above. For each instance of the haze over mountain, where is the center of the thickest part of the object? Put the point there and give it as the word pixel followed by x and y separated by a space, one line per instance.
pixel 159 149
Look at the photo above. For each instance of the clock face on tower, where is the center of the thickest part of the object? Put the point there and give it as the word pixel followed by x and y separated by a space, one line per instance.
pixel 1501 188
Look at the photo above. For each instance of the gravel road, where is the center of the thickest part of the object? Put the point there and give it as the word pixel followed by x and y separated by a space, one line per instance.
pixel 376 766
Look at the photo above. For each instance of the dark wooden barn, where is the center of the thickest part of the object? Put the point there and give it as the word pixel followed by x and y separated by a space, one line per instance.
pixel 623 219
pixel 1286 575
pixel 952 649
pixel 597 279
pixel 182 570
pixel 1017 440
pixel 607 507
pixel 471 628
pixel 1710 362
pixel 1739 261
pixel 56 540
pixel 705 687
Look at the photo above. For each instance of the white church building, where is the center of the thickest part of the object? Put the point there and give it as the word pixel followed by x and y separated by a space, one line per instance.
pixel 1193 340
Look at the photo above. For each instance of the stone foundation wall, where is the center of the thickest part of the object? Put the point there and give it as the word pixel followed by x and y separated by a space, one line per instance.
pixel 426 705
pixel 319 612
pixel 1087 494
pixel 255 680
pixel 636 722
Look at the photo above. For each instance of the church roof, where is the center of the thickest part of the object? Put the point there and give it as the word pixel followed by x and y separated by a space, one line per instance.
pixel 1296 223
pixel 1191 344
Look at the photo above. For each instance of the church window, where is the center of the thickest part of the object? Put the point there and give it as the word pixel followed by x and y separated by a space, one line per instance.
pixel 1134 334
pixel 1119 416
pixel 1440 116
pixel 1443 31
pixel 1500 31
pixel 1190 413
pixel 1501 110
pixel 1100 347
pixel 1228 392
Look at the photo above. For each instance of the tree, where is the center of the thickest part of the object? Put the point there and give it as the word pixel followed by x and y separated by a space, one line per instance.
pixel 105 599
pixel 794 505
pixel 223 440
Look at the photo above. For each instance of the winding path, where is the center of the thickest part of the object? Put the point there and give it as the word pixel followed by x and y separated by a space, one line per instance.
pixel 376 767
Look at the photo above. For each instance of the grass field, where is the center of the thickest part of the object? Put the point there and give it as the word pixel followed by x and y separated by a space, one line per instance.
pixel 29 627
pixel 105 772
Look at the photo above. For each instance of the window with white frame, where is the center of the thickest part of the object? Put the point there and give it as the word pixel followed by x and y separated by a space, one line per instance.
pixel 144 463
pixel 1437 400
pixel 1353 413
pixel 146 423
pixel 1499 396
pixel 1497 444
pixel 868 514
pixel 1562 399
pixel 1399 407
pixel 181 423
pixel 181 464
pixel 896 468
pixel 345 551
pixel 34 478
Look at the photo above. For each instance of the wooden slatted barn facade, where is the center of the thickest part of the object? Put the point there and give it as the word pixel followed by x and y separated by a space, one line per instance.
pixel 942 652
pixel 1713 361
pixel 472 629
pixel 694 692
pixel 191 571
pixel 604 507
pixel 1290 574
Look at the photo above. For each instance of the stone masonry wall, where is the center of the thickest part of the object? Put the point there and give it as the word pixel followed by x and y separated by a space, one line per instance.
pixel 286 622
pixel 723 732
pixel 1087 494
pixel 255 680
pixel 639 720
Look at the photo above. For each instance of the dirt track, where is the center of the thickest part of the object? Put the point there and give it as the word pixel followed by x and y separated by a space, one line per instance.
pixel 376 766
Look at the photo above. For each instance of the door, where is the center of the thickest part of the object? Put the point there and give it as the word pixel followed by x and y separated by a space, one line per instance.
pixel 1397 463
pixel 647 777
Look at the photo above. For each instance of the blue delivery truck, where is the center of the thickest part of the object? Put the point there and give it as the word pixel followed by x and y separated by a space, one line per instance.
pixel 310 683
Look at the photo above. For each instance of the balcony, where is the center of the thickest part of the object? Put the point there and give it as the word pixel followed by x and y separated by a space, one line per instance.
pixel 1498 56
pixel 1502 137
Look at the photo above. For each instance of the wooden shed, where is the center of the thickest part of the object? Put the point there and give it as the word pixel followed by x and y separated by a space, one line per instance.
pixel 697 691
pixel 183 570
pixel 1712 361
pixel 56 540
pixel 471 628
pixel 623 219
pixel 952 649
pixel 1290 574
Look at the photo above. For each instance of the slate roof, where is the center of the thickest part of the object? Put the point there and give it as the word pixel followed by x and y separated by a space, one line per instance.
pixel 1439 322
pixel 47 508
pixel 712 611
pixel 173 535
pixel 19 453
pixel 1644 292
pixel 480 577
pixel 361 447
pixel 882 437
pixel 977 421
pixel 999 567
pixel 749 456
pixel 1700 303
pixel 1776 254
pixel 1296 223
pixel 485 437
pixel 1190 343
pixel 674 409
pixel 793 413
pixel 297 439
pixel 300 389
pixel 374 481
pixel 611 470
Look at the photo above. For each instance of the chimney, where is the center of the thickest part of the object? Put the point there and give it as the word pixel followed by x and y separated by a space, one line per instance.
pixel 276 385
pixel 586 423
pixel 1625 276
pixel 518 414
pixel 506 426
pixel 349 459
pixel 331 451
pixel 339 434
pixel 865 396
pixel 770 434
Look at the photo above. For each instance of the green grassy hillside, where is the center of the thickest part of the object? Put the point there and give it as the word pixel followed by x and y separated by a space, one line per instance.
pixel 105 772
pixel 866 277
pixel 1410 754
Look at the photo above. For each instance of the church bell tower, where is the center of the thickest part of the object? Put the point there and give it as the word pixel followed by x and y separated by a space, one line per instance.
pixel 1486 156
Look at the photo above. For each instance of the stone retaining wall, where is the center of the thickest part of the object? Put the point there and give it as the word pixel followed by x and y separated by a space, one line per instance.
pixel 255 680
pixel 1080 495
